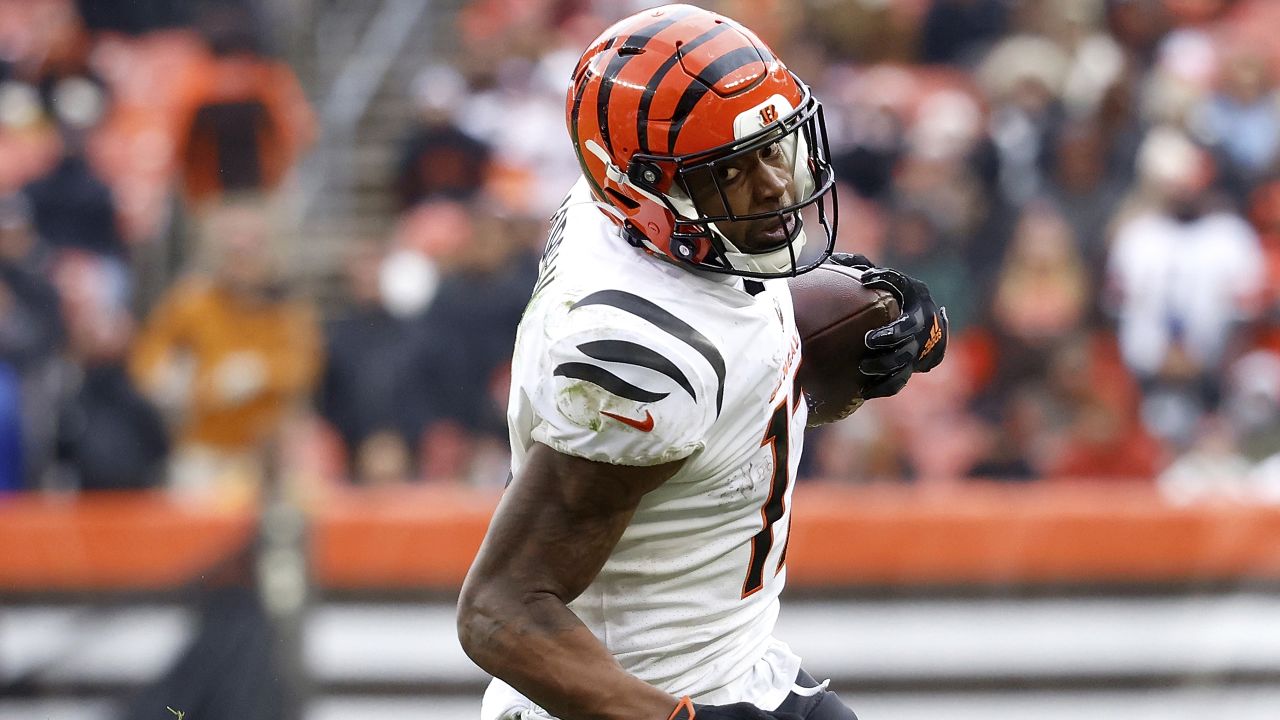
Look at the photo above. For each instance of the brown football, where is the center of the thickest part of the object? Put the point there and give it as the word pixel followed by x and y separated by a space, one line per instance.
pixel 834 311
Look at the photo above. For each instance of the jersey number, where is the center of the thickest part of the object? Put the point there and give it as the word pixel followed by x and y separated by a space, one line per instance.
pixel 777 438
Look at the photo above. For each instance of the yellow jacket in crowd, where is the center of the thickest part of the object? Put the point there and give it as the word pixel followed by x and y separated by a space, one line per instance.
pixel 229 364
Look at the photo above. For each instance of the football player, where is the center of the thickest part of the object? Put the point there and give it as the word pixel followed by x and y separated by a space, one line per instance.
pixel 632 567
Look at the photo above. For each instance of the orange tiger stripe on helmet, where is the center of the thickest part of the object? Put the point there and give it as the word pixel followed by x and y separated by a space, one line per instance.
pixel 602 61
pixel 728 68
pixel 629 65
pixel 663 111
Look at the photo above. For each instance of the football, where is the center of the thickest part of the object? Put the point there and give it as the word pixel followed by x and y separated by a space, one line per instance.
pixel 834 311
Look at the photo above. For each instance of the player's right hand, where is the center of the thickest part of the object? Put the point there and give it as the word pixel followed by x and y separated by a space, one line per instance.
pixel 915 342
pixel 686 709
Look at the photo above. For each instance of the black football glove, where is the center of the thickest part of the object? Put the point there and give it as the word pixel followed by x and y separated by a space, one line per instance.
pixel 859 261
pixel 688 710
pixel 916 341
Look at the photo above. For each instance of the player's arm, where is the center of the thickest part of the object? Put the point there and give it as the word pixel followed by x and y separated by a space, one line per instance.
pixel 552 532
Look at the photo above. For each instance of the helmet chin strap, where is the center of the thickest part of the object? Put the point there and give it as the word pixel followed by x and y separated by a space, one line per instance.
pixel 783 260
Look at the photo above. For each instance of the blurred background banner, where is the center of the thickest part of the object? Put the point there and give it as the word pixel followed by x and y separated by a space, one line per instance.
pixel 261 264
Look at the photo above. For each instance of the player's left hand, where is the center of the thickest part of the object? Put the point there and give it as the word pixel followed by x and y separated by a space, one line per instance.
pixel 916 341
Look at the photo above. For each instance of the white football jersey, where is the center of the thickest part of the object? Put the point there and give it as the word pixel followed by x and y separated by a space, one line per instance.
pixel 627 359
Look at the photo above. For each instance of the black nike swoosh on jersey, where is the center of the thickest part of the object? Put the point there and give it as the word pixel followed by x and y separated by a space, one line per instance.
pixel 606 380
pixel 665 321
pixel 624 351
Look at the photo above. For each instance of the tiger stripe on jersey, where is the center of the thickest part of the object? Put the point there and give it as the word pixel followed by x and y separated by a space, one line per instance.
pixel 606 380
pixel 665 321
pixel 623 351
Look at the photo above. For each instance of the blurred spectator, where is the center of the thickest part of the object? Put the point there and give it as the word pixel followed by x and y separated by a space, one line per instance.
pixel 1212 469
pixel 938 179
pixel 1185 277
pixel 867 156
pixel 957 31
pixel 488 268
pixel 533 165
pixel 31 337
pixel 1264 213
pixel 1186 65
pixel 864 32
pixel 1264 481
pixel 74 208
pixel 1087 191
pixel 439 159
pixel 1013 448
pixel 1024 76
pixel 1252 403
pixel 244 119
pixel 109 437
pixel 1137 25
pixel 863 448
pixel 1242 119
pixel 1041 296
pixel 134 17
pixel 1037 322
pixel 1095 61
pixel 1097 429
pixel 1100 444
pixel 369 363
pixel 917 248
pixel 228 353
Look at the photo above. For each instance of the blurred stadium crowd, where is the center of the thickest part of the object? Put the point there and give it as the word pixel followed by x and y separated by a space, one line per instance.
pixel 1092 187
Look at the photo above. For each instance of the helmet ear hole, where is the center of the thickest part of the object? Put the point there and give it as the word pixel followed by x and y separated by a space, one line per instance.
pixel 621 199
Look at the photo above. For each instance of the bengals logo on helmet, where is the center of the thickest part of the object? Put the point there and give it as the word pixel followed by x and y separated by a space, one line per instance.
pixel 656 96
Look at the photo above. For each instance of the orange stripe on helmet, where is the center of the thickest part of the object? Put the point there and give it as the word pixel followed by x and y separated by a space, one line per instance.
pixel 580 86
pixel 747 60
pixel 660 75
pixel 631 49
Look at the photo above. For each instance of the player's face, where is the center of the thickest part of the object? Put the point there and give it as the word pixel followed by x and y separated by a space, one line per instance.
pixel 756 182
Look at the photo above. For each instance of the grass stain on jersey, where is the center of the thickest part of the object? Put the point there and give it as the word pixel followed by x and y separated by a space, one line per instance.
pixel 581 402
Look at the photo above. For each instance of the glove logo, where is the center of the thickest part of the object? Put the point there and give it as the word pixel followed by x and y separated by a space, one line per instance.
pixel 935 335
